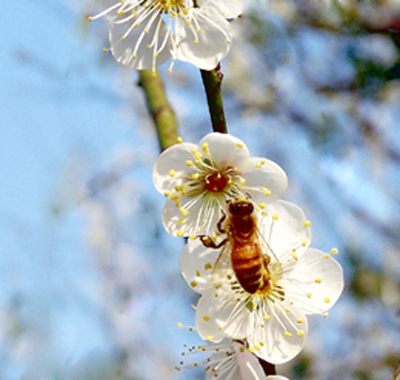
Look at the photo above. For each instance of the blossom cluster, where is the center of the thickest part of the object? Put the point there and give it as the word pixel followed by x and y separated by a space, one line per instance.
pixel 146 33
pixel 248 255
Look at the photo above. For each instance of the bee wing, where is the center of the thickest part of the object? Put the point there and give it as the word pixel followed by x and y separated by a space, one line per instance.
pixel 223 266
pixel 268 253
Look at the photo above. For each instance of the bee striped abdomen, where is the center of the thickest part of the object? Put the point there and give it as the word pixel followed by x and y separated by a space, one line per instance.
pixel 248 266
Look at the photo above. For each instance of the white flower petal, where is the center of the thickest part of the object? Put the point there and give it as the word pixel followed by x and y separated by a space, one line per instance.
pixel 218 317
pixel 228 8
pixel 283 335
pixel 276 377
pixel 316 282
pixel 264 174
pixel 193 215
pixel 285 229
pixel 197 262
pixel 173 158
pixel 137 44
pixel 203 37
pixel 249 366
pixel 226 150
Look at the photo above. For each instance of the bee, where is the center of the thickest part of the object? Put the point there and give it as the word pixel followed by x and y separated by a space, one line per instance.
pixel 244 249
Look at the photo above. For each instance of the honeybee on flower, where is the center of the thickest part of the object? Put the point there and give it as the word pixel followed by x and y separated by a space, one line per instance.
pixel 273 319
pixel 198 180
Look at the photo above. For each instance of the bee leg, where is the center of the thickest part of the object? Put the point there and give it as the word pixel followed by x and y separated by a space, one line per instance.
pixel 209 243
pixel 220 222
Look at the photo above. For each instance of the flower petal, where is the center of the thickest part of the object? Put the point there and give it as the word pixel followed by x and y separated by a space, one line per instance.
pixel 285 229
pixel 283 334
pixel 173 158
pixel 139 44
pixel 264 174
pixel 219 315
pixel 228 8
pixel 197 262
pixel 315 283
pixel 202 37
pixel 249 366
pixel 226 150
pixel 193 215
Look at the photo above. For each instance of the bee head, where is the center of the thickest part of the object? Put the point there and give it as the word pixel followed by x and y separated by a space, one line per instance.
pixel 241 207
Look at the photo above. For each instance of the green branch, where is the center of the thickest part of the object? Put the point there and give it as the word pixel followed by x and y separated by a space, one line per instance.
pixel 160 110
pixel 212 81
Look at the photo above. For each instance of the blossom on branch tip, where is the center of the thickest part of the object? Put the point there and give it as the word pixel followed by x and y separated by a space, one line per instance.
pixel 273 319
pixel 146 33
pixel 198 180
pixel 229 360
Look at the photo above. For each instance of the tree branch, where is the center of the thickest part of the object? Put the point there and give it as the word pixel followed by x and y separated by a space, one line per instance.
pixel 160 110
pixel 212 83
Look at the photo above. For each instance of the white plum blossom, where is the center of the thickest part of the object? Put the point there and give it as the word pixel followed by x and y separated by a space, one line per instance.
pixel 198 180
pixel 146 33
pixel 273 320
pixel 229 360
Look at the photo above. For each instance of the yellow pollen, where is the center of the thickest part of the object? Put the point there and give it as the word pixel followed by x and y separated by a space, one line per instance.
pixel 198 274
pixel 172 173
pixel 205 145
pixel 327 256
pixel 189 163
pixel 257 347
pixel 251 350
pixel 327 300
pixel 294 255
pixel 193 284
pixel 105 50
pixel 179 140
pixel 325 315
pixel 198 155
pixel 287 310
pixel 209 337
pixel 196 42
pixel 195 175
pixel 334 251
pixel 307 223
pixel 184 211
pixel 264 214
pixel 266 317
pixel 180 233
pixel 275 217
pixel 193 236
pixel 318 280
pixel 182 221
pixel 262 342
pixel 208 266
pixel 299 320
pixel 239 145
pixel 309 295
pixel 179 324
pixel 241 349
pixel 166 193
pixel 300 333
pixel 288 334
pixel 261 205
pixel 242 181
pixel 266 191
pixel 304 243
pixel 206 318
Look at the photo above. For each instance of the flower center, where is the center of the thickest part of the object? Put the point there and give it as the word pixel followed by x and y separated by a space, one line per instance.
pixel 168 4
pixel 216 182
